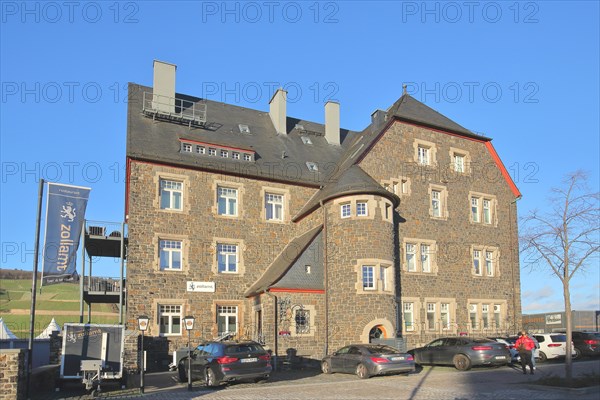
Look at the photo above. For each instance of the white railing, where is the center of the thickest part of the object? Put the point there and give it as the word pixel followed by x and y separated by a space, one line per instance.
pixel 174 108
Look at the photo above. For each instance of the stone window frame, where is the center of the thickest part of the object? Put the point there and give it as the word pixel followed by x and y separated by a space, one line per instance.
pixel 241 247
pixel 377 264
pixel 418 243
pixel 492 303
pixel 169 176
pixel 454 151
pixel 240 198
pixel 347 206
pixel 416 302
pixel 452 327
pixel 371 206
pixel 395 185
pixel 443 190
pixel 240 314
pixel 312 312
pixel 494 208
pixel 156 303
pixel 184 239
pixel 286 204
pixel 432 152
pixel 483 249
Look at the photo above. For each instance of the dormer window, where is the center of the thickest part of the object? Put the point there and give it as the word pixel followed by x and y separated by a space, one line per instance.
pixel 313 167
pixel 224 153
pixel 247 157
pixel 306 140
pixel 235 155
pixel 186 147
pixel 300 127
pixel 212 152
pixel 200 149
pixel 244 128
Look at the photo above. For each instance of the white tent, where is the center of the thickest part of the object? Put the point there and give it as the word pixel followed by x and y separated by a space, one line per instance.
pixel 52 326
pixel 5 333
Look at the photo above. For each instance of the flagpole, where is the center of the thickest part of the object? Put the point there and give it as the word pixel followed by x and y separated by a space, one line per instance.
pixel 34 285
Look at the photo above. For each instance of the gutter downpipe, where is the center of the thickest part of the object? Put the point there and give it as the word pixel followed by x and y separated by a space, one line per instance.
pixel 275 330
pixel 325 277
pixel 512 269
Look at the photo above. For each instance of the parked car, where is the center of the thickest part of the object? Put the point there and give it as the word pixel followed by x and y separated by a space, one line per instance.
pixel 552 345
pixel 366 360
pixel 462 352
pixel 586 344
pixel 514 354
pixel 218 362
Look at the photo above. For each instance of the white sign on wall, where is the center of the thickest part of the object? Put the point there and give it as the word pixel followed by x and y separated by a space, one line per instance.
pixel 553 319
pixel 193 286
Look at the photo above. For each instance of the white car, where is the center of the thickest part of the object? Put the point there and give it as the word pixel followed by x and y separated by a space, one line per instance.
pixel 552 345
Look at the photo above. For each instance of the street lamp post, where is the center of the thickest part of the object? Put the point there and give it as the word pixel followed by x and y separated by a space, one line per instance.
pixel 142 326
pixel 188 322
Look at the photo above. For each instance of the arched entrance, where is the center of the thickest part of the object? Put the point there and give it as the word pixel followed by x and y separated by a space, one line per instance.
pixel 377 332
pixel 379 328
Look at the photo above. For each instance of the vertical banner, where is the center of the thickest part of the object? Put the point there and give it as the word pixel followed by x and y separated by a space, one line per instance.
pixel 65 213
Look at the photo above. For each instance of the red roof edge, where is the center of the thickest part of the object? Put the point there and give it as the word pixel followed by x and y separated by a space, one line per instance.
pixel 503 169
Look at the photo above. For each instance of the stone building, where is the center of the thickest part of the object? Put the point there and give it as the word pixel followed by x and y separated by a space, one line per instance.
pixel 307 236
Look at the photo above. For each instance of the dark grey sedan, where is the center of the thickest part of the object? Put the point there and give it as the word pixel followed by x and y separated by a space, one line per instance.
pixel 462 352
pixel 366 360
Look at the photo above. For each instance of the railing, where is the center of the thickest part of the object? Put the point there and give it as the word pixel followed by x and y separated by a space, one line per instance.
pixel 97 284
pixel 104 229
pixel 156 105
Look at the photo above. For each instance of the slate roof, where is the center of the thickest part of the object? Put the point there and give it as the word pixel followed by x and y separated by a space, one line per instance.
pixel 285 262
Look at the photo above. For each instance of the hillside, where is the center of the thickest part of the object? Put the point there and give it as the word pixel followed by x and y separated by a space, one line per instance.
pixel 60 302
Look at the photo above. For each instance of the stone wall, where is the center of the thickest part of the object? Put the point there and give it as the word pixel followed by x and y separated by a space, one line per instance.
pixel 13 372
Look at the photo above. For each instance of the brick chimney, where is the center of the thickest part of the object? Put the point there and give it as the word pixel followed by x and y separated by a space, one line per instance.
pixel 277 111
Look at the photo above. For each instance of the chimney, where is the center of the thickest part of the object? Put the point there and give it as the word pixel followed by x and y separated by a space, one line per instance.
pixel 163 99
pixel 332 122
pixel 378 118
pixel 277 111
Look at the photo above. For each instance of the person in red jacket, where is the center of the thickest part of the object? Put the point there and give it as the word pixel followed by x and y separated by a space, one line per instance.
pixel 525 345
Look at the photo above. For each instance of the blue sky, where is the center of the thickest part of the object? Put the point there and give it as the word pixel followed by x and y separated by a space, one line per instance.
pixel 523 73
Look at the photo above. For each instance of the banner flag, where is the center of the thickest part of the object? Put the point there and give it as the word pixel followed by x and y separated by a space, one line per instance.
pixel 65 213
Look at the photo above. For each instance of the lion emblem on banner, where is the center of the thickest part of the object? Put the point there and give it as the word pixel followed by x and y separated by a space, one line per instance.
pixel 68 212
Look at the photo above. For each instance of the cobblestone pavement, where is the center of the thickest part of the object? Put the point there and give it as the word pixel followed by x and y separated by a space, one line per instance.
pixel 432 383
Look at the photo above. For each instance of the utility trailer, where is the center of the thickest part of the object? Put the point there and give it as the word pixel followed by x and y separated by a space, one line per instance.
pixel 92 353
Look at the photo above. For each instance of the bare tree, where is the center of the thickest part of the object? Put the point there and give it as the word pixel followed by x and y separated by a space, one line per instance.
pixel 565 238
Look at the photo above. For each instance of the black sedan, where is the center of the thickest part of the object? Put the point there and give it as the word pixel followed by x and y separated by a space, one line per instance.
pixel 366 360
pixel 462 352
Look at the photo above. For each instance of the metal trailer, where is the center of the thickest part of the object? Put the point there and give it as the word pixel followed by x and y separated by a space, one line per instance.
pixel 92 353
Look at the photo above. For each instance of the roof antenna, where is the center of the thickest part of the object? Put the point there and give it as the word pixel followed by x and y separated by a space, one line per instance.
pixel 404 89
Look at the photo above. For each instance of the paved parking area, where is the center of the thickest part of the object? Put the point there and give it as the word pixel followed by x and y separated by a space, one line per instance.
pixel 431 383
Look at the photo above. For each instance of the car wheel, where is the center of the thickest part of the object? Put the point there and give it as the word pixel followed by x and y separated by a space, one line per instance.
pixel 461 362
pixel 325 367
pixel 211 378
pixel 181 371
pixel 542 357
pixel 361 371
pixel 576 353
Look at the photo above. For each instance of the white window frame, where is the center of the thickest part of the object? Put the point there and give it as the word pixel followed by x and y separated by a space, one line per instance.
pixel 477 264
pixel 170 248
pixel 497 310
pixel 274 202
pixel 345 210
pixel 224 312
pixel 436 203
pixel 473 311
pixel 445 311
pixel 186 147
pixel 224 153
pixel 171 188
pixel 423 155
pixel 170 312
pixel 229 195
pixel 408 309
pixel 489 262
pixel 235 155
pixel 425 250
pixel 487 211
pixel 459 163
pixel 362 209
pixel 370 283
pixel 383 278
pixel 411 249
pixel 485 316
pixel 200 149
pixel 225 252
pixel 430 312
pixel 475 209
pixel 212 151
pixel 247 157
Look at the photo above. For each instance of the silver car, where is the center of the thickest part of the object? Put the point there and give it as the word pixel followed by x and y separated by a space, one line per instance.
pixel 366 360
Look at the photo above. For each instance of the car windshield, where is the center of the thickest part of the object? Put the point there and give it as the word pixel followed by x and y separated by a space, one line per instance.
pixel 558 338
pixel 244 348
pixel 381 349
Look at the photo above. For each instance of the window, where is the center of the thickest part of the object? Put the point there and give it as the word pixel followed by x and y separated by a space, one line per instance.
pixel 409 321
pixel 431 316
pixel 235 155
pixel 474 209
pixel 459 163
pixel 186 147
pixel 489 263
pixel 487 212
pixel 200 149
pixel 302 319
pixel 212 152
pixel 169 317
pixel 227 319
pixel 313 167
pixel 170 255
pixel 247 157
pixel 361 209
pixel 473 315
pixel 423 155
pixel 368 277
pixel 274 207
pixel 445 315
pixel 171 195
pixel 497 310
pixel 404 186
pixel 244 128
pixel 227 201
pixel 420 256
pixel 436 203
pixel 477 262
pixel 485 309
pixel 345 210
pixel 411 262
pixel 383 277
pixel 306 140
pixel 227 258
pixel 224 153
